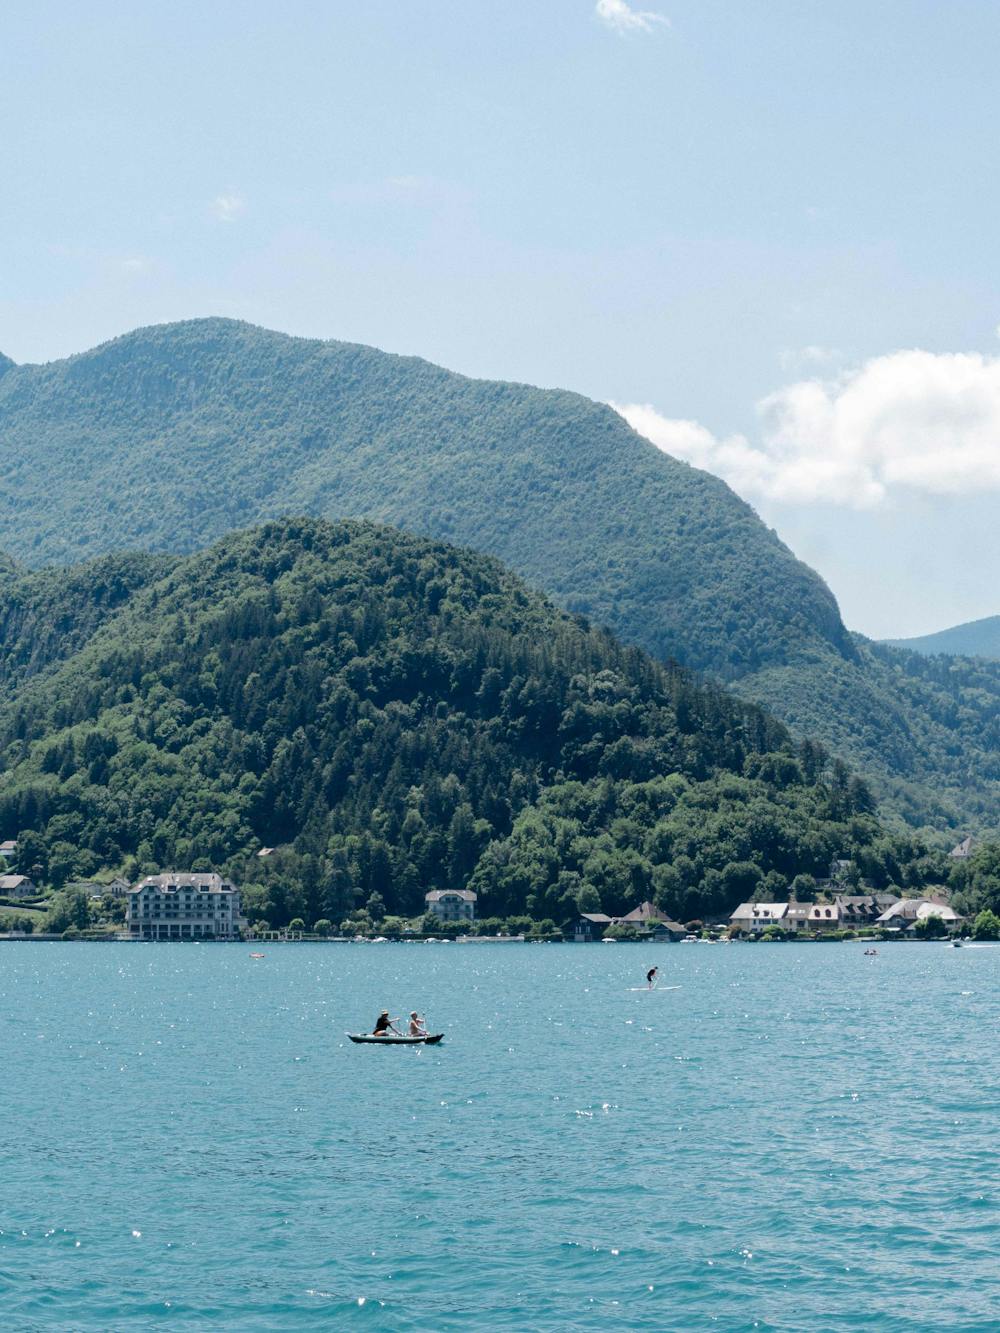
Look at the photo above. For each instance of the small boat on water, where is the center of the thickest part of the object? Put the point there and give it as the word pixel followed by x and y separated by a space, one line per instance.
pixel 369 1039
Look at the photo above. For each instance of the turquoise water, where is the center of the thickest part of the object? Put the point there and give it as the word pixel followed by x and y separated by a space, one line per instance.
pixel 798 1138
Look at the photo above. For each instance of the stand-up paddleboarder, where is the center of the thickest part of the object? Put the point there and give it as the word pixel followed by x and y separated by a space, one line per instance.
pixel 651 977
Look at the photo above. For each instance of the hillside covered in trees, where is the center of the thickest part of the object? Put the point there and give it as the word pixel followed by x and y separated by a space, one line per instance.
pixel 166 438
pixel 394 715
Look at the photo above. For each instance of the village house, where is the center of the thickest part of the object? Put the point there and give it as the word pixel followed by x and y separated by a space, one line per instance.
pixel 824 916
pixel 964 849
pixel 184 907
pixel 589 926
pixel 16 886
pixel 796 916
pixel 862 909
pixel 452 904
pixel 646 918
pixel 904 914
pixel 8 849
pixel 752 918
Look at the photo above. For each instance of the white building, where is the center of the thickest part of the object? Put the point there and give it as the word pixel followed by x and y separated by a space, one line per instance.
pixel 904 914
pixel 452 904
pixel 184 907
pixel 755 917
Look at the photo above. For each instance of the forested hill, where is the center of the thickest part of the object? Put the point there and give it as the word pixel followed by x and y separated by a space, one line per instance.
pixel 397 715
pixel 168 437
pixel 976 638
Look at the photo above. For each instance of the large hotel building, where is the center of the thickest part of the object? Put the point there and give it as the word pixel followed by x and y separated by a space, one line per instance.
pixel 184 907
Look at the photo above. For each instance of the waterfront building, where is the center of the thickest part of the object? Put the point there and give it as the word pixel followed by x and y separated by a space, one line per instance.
pixel 452 904
pixel 193 906
pixel 589 926
pixel 824 916
pixel 904 914
pixel 796 916
pixel 16 886
pixel 646 918
pixel 755 917
pixel 863 909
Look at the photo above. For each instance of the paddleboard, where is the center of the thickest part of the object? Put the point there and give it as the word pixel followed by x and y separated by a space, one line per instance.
pixel 635 988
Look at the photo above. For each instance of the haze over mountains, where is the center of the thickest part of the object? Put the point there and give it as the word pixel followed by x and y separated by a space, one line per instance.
pixel 976 638
pixel 168 437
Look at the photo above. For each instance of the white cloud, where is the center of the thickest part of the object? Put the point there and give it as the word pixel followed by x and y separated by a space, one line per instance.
pixel 228 207
pixel 623 18
pixel 134 264
pixel 916 421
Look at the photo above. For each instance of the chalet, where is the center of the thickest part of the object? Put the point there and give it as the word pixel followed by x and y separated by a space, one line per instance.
pixel 16 886
pixel 647 919
pixel 862 909
pixel 588 927
pixel 452 904
pixel 824 916
pixel 964 849
pixel 8 849
pixel 906 912
pixel 752 918
pixel 796 916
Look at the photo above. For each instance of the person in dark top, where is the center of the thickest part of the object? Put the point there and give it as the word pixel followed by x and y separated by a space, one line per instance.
pixel 651 976
pixel 383 1025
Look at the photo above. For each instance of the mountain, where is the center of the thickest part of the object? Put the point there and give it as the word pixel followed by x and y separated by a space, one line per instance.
pixel 396 715
pixel 168 437
pixel 976 638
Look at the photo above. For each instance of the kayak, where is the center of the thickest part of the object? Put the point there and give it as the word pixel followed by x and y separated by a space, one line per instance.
pixel 369 1039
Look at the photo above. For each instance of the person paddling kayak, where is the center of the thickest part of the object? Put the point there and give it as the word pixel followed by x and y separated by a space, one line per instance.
pixel 417 1025
pixel 384 1025
pixel 651 976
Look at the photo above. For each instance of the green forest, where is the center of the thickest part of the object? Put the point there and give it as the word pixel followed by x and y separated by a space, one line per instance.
pixel 395 715
pixel 167 437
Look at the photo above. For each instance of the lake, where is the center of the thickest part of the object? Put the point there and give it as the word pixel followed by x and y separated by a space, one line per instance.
pixel 798 1138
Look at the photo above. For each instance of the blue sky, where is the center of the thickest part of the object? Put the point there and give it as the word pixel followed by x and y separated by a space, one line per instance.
pixel 765 230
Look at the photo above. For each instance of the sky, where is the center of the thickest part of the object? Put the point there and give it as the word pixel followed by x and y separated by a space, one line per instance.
pixel 765 230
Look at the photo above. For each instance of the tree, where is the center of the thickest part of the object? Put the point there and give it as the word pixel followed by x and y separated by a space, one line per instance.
pixel 296 924
pixel 375 906
pixel 986 926
pixel 68 908
pixel 803 888
pixel 323 927
pixel 931 927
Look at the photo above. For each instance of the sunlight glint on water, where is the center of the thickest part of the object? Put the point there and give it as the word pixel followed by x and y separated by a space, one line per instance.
pixel 800 1137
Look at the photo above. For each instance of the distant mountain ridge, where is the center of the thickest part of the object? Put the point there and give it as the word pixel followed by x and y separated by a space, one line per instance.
pixel 974 638
pixel 166 438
